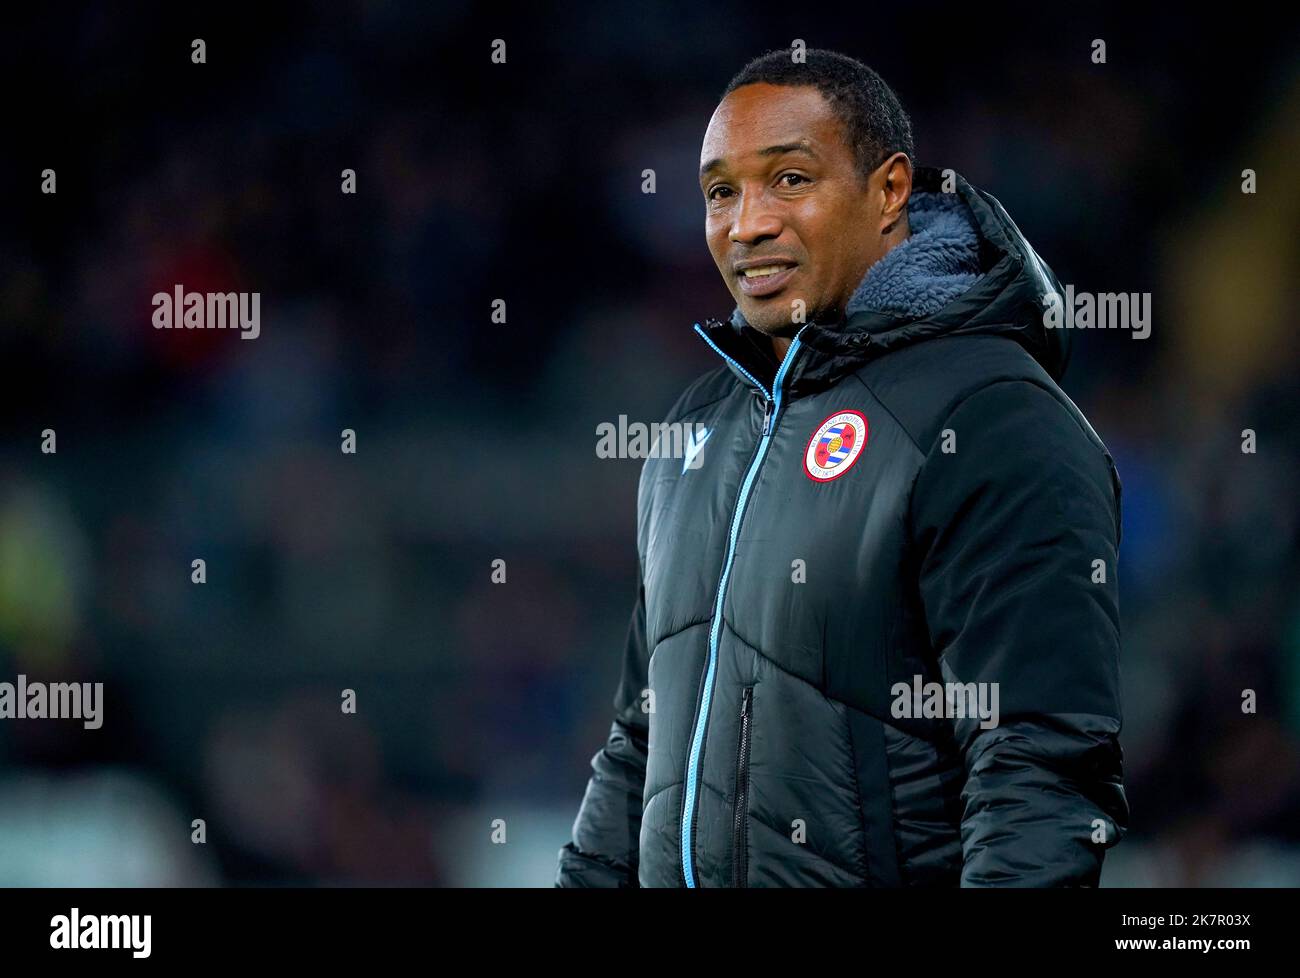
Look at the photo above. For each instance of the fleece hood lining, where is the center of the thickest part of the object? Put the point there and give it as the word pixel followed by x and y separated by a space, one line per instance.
pixel 965 268
pixel 936 263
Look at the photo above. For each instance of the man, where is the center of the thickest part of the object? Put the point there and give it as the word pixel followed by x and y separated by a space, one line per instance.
pixel 893 498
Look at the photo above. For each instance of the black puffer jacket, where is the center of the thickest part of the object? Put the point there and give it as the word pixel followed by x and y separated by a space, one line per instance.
pixel 900 499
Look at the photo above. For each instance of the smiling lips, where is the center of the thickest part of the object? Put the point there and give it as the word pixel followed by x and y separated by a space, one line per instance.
pixel 762 280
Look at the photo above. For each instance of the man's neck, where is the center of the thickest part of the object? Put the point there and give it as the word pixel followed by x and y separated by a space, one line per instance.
pixel 780 344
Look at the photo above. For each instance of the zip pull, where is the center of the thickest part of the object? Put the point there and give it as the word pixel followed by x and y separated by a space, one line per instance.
pixel 778 381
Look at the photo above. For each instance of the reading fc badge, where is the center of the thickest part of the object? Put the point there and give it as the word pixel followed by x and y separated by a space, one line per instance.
pixel 835 446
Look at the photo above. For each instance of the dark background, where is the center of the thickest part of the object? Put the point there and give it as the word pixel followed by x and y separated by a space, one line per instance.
pixel 476 441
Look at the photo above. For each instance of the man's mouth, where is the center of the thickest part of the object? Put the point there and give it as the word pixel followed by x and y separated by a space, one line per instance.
pixel 762 280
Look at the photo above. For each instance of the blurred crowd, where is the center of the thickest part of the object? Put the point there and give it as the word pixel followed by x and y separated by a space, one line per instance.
pixel 371 571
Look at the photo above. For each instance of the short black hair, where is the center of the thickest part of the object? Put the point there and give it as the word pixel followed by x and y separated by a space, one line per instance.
pixel 873 118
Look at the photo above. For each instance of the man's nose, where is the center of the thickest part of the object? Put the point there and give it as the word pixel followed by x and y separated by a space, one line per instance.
pixel 754 219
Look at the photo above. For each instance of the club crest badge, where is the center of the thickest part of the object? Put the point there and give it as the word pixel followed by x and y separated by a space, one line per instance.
pixel 835 446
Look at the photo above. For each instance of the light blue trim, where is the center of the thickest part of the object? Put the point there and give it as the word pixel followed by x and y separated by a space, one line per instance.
pixel 734 363
pixel 697 738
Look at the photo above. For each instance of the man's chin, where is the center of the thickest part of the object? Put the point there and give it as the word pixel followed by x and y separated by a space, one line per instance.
pixel 770 322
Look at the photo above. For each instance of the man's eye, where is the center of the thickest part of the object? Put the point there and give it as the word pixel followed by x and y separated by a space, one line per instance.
pixel 713 194
pixel 797 177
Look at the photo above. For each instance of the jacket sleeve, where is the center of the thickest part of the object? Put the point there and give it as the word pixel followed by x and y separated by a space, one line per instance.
pixel 1017 527
pixel 606 833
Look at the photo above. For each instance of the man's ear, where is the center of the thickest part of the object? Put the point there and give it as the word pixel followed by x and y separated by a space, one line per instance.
pixel 894 179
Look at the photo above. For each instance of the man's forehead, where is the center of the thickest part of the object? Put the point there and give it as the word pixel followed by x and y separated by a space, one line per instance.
pixel 764 119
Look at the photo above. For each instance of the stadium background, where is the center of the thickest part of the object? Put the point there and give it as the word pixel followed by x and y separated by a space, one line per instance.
pixel 476 441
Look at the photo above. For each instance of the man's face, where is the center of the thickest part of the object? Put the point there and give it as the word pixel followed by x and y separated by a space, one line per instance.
pixel 785 201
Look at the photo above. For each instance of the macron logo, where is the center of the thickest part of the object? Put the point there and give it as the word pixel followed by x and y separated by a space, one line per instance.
pixel 693 446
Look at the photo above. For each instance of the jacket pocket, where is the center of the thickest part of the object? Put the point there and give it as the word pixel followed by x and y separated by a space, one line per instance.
pixel 740 815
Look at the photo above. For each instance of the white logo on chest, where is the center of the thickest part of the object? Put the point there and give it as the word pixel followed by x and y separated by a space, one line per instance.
pixel 694 444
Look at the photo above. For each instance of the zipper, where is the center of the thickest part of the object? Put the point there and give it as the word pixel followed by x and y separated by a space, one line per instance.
pixel 771 413
pixel 740 832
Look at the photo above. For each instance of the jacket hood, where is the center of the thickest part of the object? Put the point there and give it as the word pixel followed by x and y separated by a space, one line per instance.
pixel 966 269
